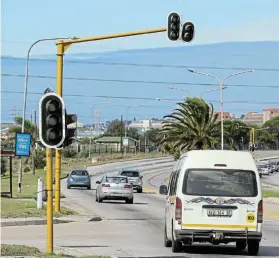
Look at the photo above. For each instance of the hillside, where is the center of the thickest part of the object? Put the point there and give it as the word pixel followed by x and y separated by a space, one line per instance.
pixel 149 72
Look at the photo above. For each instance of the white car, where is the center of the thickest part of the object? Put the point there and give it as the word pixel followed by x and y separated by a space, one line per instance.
pixel 114 188
pixel 214 196
pixel 265 170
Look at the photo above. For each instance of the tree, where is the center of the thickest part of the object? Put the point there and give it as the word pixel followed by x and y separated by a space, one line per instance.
pixel 152 136
pixel 117 128
pixel 236 134
pixel 270 133
pixel 191 126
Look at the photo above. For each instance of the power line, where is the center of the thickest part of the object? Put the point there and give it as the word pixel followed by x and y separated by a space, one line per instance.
pixel 145 98
pixel 154 65
pixel 139 81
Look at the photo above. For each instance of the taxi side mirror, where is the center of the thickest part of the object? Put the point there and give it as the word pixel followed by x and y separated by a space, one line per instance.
pixel 163 190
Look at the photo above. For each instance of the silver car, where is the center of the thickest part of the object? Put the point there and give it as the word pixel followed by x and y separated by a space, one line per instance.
pixel 134 177
pixel 114 188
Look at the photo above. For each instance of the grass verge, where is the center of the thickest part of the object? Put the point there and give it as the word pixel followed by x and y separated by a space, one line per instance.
pixel 15 208
pixel 23 204
pixel 22 250
pixel 270 194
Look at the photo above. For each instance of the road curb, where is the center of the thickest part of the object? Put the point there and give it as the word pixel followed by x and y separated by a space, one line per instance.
pixel 27 222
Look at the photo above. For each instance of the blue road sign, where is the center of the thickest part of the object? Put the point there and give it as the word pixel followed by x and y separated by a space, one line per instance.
pixel 22 144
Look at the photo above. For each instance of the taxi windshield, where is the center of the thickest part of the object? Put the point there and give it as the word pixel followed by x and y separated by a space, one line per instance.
pixel 213 182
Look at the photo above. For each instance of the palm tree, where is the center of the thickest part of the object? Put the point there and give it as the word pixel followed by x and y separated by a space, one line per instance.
pixel 190 126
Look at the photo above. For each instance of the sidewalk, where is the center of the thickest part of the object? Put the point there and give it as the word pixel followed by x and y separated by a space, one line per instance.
pixel 271 209
pixel 8 222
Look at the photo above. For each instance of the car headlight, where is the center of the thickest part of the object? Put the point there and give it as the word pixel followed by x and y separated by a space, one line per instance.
pixel 138 182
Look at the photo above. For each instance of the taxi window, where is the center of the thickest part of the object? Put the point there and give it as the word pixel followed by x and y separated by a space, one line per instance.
pixel 213 182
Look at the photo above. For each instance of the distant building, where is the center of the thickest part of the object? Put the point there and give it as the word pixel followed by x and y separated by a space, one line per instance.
pixel 253 118
pixel 143 125
pixel 226 115
pixel 270 113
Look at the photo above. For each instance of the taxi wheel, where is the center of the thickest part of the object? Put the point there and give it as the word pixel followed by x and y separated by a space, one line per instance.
pixel 139 190
pixel 253 248
pixel 176 246
pixel 167 242
pixel 240 245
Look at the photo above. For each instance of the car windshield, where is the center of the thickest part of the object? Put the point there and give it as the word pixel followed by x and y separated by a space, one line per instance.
pixel 130 173
pixel 117 180
pixel 213 182
pixel 79 173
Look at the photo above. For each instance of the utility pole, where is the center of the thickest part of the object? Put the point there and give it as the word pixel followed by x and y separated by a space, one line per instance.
pixel 121 135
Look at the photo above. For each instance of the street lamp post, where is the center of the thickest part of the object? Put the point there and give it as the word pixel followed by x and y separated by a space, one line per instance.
pixel 206 91
pixel 221 83
pixel 126 124
pixel 25 98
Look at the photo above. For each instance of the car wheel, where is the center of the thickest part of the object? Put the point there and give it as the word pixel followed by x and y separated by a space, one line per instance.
pixel 131 201
pixel 100 199
pixel 89 187
pixel 253 247
pixel 96 197
pixel 68 186
pixel 167 242
pixel 139 190
pixel 176 246
pixel 240 245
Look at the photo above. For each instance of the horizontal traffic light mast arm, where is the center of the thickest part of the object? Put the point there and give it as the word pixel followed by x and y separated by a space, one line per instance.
pixel 111 36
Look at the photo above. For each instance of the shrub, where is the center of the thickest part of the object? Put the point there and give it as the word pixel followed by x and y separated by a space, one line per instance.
pixel 26 169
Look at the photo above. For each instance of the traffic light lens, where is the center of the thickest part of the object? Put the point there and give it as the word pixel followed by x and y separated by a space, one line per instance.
pixel 174 34
pixel 52 106
pixel 189 29
pixel 187 37
pixel 174 18
pixel 52 120
pixel 174 26
pixel 53 134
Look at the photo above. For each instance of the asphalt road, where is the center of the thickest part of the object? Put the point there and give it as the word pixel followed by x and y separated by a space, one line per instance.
pixel 126 230
pixel 141 224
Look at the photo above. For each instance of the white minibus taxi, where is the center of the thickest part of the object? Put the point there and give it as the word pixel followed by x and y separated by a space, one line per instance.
pixel 214 196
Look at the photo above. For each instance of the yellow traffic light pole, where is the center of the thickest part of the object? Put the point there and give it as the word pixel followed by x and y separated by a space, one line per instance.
pixel 62 46
pixel 252 132
pixel 49 186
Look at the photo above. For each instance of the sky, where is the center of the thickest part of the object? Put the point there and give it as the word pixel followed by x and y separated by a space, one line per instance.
pixel 24 22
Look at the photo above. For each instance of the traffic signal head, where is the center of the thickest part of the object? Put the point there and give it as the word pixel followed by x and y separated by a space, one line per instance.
pixel 173 26
pixel 71 130
pixel 188 32
pixel 52 120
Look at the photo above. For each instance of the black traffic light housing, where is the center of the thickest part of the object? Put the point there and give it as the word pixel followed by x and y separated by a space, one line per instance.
pixel 188 32
pixel 174 26
pixel 71 133
pixel 51 120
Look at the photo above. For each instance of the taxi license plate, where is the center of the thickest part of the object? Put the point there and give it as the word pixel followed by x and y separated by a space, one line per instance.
pixel 219 213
